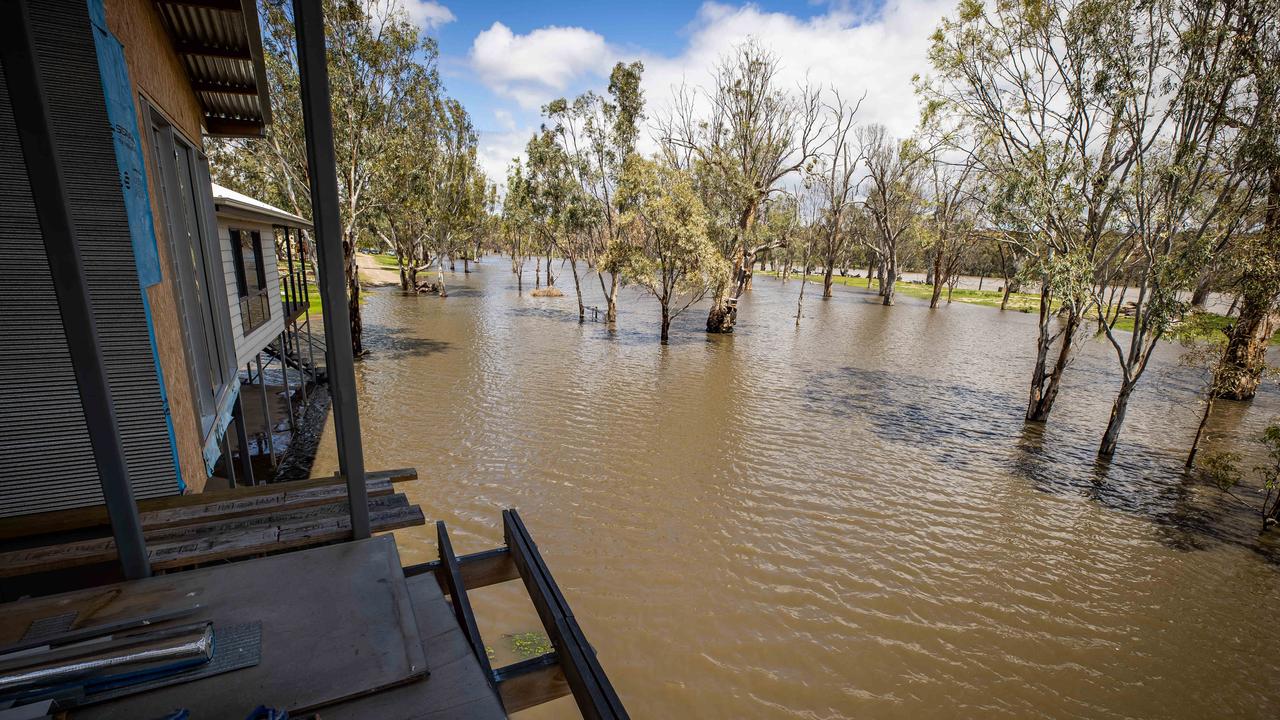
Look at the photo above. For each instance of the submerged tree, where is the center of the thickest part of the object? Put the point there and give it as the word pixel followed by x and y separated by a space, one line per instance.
pixel 892 198
pixel 1054 85
pixel 670 255
pixel 1258 256
pixel 745 135
pixel 834 182
pixel 598 135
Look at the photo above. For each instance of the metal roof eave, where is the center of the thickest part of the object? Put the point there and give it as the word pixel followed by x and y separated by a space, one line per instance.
pixel 220 45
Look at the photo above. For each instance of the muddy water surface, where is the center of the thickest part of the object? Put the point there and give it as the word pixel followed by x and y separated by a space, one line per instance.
pixel 848 519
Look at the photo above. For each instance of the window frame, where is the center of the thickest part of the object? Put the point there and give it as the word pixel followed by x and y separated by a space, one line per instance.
pixel 186 196
pixel 255 305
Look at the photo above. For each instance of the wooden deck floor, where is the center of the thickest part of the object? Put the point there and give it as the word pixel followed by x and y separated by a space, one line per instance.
pixel 456 687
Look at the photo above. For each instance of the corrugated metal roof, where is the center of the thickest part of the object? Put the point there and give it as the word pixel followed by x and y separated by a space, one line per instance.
pixel 220 44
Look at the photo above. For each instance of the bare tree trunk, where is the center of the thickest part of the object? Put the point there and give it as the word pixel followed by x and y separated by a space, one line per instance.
pixel 1118 410
pixel 1200 295
pixel 1246 355
pixel 891 281
pixel 353 294
pixel 936 274
pixel 466 264
pixel 1204 421
pixel 826 280
pixel 1044 382
pixel 666 322
pixel 800 301
pixel 577 287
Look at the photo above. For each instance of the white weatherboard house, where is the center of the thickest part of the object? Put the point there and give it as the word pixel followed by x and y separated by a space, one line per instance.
pixel 247 233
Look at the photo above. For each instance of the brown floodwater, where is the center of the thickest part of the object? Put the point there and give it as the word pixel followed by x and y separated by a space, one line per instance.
pixel 848 519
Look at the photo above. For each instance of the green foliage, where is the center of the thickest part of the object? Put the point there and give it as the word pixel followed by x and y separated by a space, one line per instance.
pixel 668 253
pixel 1222 469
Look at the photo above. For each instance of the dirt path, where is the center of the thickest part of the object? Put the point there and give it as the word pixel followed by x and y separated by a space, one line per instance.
pixel 372 273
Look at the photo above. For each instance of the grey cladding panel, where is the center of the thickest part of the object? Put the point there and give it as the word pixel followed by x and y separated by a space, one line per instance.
pixel 45 459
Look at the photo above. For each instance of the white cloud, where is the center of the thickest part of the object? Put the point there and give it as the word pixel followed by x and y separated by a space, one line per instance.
pixel 851 51
pixel 505 119
pixel 496 150
pixel 426 14
pixel 536 67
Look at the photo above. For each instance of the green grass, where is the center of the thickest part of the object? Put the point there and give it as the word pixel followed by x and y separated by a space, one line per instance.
pixel 1207 325
pixel 386 261
pixel 314 305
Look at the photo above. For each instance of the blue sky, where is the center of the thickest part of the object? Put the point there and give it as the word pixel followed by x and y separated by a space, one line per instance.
pixel 504 60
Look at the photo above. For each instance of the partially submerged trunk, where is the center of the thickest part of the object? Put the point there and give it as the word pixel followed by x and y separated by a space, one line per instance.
pixel 1204 422
pixel 577 287
pixel 1045 381
pixel 826 281
pixel 353 294
pixel 889 289
pixel 666 322
pixel 722 316
pixel 1245 358
pixel 1118 410
pixel 800 301
pixel 936 278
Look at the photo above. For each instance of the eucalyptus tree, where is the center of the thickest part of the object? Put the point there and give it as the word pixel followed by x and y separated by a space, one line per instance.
pixel 747 133
pixel 1257 255
pixel 517 216
pixel 1055 86
pixel 1183 185
pixel 833 178
pixel 598 135
pixel 562 212
pixel 893 197
pixel 670 254
pixel 376 59
pixel 403 189
pixel 458 195
pixel 949 224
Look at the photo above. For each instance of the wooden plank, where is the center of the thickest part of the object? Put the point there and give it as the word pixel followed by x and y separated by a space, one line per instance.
pixel 95 516
pixel 221 540
pixel 285 497
pixel 455 689
pixel 458 595
pixel 591 688
pixel 481 569
pixel 531 682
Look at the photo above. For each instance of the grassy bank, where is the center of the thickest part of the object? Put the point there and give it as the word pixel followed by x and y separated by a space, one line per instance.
pixel 1207 325
pixel 386 261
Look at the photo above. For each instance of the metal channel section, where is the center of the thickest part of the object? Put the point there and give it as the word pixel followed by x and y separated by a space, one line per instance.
pixel 48 189
pixel 571 668
pixel 318 122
